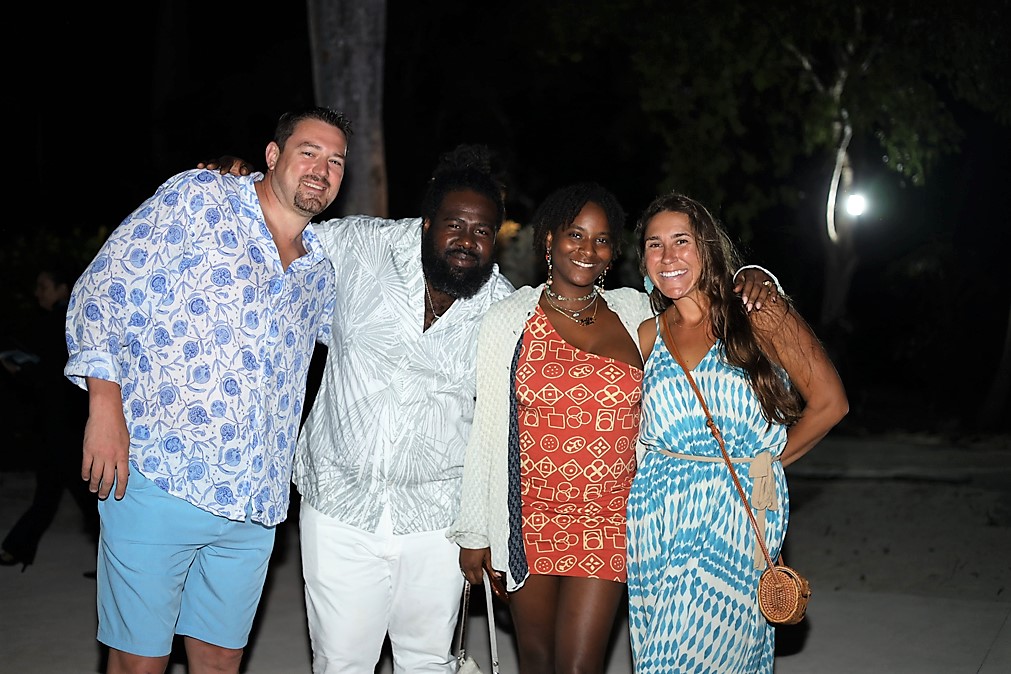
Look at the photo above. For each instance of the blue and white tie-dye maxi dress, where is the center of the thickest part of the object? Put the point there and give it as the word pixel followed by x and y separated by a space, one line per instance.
pixel 692 576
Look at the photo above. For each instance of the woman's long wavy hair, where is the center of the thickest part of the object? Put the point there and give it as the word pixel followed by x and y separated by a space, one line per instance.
pixel 727 314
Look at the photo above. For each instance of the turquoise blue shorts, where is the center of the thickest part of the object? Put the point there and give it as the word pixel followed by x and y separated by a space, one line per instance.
pixel 166 567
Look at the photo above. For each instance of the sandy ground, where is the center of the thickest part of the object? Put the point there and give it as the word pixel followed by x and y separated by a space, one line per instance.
pixel 907 515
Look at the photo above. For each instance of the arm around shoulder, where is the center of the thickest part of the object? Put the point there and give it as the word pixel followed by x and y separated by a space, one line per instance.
pixel 772 277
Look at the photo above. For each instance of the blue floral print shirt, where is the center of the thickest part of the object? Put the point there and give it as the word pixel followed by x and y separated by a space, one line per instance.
pixel 188 309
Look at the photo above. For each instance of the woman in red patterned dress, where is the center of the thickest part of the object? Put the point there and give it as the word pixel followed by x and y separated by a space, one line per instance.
pixel 572 399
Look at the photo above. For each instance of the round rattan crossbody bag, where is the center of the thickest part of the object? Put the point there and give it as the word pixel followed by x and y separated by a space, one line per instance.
pixel 783 593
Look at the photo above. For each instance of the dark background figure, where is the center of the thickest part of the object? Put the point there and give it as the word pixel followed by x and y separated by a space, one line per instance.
pixel 59 412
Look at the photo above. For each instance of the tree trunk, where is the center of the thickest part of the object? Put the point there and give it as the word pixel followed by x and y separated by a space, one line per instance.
pixel 840 255
pixel 840 265
pixel 348 40
pixel 840 258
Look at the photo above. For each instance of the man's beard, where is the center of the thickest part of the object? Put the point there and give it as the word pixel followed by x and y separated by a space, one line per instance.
pixel 310 203
pixel 454 281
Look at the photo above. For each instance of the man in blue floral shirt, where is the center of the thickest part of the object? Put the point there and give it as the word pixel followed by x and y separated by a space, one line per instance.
pixel 192 330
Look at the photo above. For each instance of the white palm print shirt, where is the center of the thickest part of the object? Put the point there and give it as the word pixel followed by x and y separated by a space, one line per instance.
pixel 394 409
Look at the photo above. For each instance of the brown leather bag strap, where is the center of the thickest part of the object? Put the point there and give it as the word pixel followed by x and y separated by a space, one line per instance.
pixel 668 339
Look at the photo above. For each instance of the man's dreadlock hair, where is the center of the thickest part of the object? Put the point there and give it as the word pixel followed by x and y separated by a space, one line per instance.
pixel 466 167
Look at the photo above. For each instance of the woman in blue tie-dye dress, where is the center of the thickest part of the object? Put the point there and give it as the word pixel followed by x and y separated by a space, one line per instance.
pixel 693 558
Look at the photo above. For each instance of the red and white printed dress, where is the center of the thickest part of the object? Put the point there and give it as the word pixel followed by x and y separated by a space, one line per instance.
pixel 578 423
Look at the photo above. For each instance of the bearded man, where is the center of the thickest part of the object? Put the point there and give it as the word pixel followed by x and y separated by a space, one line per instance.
pixel 380 459
pixel 192 330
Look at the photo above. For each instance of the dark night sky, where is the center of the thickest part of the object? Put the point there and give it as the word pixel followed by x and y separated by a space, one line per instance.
pixel 155 88
pixel 122 101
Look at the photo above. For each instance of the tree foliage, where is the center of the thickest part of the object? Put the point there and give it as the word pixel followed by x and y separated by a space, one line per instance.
pixel 741 94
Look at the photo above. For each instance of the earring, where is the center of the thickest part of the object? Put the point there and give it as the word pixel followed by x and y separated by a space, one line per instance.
pixel 547 256
pixel 647 284
pixel 599 283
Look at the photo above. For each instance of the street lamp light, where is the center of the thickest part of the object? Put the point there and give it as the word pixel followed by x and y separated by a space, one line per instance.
pixel 856 204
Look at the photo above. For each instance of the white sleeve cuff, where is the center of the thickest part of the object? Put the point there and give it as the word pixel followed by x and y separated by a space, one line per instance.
pixel 771 275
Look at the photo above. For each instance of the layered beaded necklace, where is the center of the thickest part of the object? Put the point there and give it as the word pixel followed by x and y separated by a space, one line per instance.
pixel 555 296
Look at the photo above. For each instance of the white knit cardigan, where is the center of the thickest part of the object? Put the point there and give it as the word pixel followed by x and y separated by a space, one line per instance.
pixel 484 514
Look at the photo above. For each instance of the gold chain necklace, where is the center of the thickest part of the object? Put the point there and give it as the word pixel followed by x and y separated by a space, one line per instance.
pixel 573 312
pixel 574 315
pixel 431 304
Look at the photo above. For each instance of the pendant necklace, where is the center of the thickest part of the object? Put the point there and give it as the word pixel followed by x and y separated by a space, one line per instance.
pixel 574 315
pixel 431 304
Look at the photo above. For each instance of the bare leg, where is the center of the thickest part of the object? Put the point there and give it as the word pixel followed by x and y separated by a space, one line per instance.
pixel 534 607
pixel 586 609
pixel 205 658
pixel 563 625
pixel 121 662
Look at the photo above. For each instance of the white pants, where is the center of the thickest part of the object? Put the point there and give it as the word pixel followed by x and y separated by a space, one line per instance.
pixel 360 585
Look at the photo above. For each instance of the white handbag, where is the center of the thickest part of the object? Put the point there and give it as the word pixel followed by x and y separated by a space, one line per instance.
pixel 466 663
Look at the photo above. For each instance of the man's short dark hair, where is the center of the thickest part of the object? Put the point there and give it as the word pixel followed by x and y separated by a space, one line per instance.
pixel 289 120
